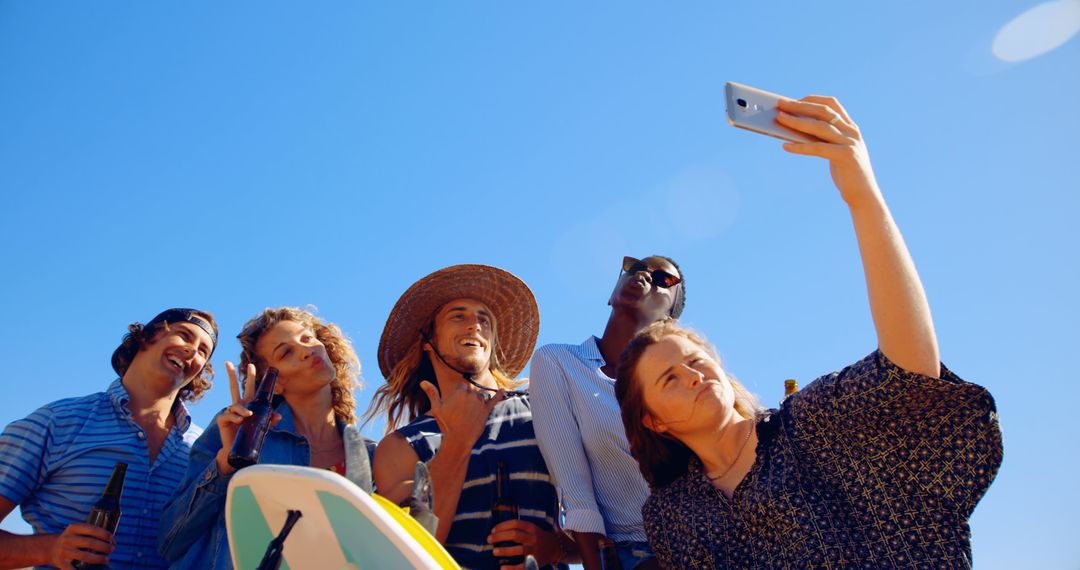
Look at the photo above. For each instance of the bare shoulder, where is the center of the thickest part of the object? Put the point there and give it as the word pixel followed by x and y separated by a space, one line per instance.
pixel 395 462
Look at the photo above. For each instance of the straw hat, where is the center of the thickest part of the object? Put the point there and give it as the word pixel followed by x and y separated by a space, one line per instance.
pixel 513 304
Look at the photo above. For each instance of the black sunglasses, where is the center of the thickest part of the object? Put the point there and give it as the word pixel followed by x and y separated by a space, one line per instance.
pixel 660 278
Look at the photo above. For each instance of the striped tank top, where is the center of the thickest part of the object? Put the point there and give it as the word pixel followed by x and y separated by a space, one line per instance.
pixel 508 438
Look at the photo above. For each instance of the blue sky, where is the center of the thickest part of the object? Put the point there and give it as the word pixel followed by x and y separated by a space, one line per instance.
pixel 249 154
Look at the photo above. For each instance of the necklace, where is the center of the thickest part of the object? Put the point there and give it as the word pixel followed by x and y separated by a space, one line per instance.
pixel 737 455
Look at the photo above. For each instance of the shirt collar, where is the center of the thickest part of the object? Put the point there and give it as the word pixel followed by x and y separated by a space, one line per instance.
pixel 120 397
pixel 590 350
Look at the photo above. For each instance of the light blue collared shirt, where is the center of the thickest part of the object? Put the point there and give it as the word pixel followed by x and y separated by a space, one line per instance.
pixel 56 462
pixel 580 431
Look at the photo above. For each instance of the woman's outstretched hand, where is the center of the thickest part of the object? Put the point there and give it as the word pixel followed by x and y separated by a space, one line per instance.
pixel 842 144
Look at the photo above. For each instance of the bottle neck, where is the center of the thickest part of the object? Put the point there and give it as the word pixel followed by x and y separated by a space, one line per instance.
pixel 116 480
pixel 265 392
pixel 502 481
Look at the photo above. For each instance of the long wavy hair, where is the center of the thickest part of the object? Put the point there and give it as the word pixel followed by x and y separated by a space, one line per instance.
pixel 662 458
pixel 402 399
pixel 140 336
pixel 342 356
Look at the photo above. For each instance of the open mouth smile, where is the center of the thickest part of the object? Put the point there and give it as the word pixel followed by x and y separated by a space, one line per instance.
pixel 175 363
pixel 472 342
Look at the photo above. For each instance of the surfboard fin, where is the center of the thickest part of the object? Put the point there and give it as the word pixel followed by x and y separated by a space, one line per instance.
pixel 272 559
pixel 420 502
pixel 357 461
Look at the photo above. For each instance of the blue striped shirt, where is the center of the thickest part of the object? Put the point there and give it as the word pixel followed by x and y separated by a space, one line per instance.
pixel 581 434
pixel 55 463
pixel 507 438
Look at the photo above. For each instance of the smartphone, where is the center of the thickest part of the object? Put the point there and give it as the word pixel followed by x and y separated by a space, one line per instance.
pixel 755 110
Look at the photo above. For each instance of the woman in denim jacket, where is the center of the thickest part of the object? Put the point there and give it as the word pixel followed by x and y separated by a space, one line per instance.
pixel 313 427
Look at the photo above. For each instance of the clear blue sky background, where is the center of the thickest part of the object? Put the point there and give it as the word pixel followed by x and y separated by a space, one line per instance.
pixel 232 156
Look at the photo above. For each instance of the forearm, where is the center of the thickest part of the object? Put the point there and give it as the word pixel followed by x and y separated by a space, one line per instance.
pixel 23 551
pixel 588 544
pixel 898 303
pixel 448 470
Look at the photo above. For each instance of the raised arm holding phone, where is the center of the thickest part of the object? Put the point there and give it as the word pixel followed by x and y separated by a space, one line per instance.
pixel 879 464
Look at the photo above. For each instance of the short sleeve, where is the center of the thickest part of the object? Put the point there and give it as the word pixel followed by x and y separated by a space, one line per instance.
pixel 874 426
pixel 23 447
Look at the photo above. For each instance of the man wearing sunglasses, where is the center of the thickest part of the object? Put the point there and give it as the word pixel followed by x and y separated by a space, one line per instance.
pixel 578 423
pixel 56 462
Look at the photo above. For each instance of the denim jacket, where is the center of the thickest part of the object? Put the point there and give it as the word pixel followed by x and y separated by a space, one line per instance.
pixel 192 532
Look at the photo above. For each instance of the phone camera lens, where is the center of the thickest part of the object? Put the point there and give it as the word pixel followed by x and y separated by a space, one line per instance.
pixel 741 103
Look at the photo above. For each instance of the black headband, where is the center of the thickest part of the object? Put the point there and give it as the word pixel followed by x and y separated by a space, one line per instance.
pixel 174 316
pixel 186 316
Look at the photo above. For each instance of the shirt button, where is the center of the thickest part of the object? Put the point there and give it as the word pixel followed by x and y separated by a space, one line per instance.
pixel 140 435
pixel 138 555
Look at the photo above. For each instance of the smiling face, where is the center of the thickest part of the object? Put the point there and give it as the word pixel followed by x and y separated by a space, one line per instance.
pixel 464 334
pixel 685 390
pixel 299 356
pixel 635 291
pixel 175 356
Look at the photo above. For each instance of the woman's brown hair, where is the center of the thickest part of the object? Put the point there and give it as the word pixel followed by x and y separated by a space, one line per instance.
pixel 338 348
pixel 662 458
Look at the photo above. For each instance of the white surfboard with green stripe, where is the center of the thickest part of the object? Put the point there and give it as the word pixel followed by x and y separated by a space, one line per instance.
pixel 341 526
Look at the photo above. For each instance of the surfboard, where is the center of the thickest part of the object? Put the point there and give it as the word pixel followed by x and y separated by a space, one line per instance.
pixel 341 526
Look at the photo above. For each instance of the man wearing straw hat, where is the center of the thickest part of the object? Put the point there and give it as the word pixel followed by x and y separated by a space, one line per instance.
pixel 450 350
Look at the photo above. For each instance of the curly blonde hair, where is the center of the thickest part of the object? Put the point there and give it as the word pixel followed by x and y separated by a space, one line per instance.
pixel 401 398
pixel 338 348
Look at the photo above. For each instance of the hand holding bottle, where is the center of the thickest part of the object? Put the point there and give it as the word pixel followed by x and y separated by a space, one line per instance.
pixel 517 538
pixel 81 542
pixel 231 418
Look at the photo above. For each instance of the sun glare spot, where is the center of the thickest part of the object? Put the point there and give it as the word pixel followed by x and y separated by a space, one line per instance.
pixel 1037 31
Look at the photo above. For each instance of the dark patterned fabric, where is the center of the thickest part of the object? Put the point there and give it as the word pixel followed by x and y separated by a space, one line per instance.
pixel 869 467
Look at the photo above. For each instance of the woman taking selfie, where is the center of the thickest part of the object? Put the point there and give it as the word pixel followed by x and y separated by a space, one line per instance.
pixel 877 465
pixel 318 371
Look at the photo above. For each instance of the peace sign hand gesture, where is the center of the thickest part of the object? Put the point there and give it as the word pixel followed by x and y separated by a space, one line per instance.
pixel 230 418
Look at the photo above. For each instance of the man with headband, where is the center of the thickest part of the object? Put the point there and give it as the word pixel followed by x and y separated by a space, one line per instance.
pixel 450 351
pixel 55 463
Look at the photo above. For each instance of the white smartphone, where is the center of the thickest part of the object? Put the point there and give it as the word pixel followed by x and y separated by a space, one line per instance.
pixel 755 110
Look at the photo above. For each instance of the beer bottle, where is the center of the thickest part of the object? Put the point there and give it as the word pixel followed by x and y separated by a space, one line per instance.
pixel 609 556
pixel 504 509
pixel 252 432
pixel 106 511
pixel 790 387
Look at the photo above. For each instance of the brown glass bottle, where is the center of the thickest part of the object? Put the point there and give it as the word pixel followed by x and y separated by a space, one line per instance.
pixel 249 438
pixel 609 556
pixel 106 511
pixel 791 386
pixel 504 509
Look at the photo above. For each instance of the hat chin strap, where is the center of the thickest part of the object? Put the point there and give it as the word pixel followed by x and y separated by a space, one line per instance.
pixel 468 376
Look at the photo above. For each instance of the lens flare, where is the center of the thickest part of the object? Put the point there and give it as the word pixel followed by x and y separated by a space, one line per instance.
pixel 1037 31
